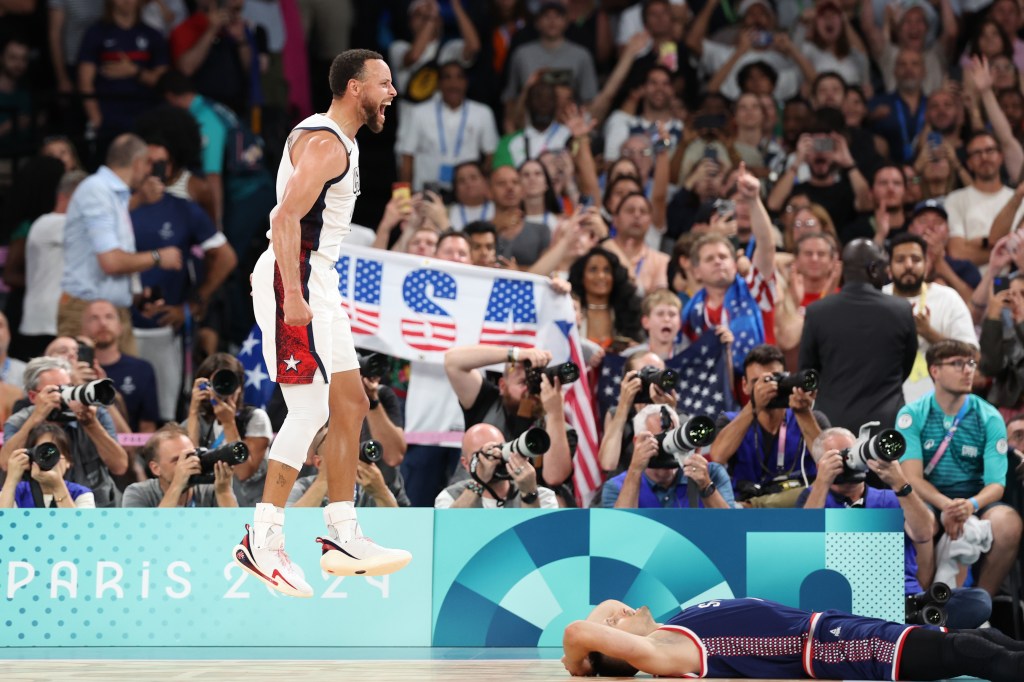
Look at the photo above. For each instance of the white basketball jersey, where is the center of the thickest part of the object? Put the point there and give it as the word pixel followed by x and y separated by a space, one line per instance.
pixel 329 219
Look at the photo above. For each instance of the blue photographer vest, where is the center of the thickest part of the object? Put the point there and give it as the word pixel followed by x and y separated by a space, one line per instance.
pixel 756 459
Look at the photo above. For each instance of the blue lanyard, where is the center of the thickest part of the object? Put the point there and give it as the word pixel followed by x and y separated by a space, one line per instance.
pixel 458 135
pixel 7 367
pixel 465 218
pixel 908 142
pixel 750 248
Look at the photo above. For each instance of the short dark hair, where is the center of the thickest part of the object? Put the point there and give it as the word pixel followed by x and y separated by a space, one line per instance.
pixel 480 227
pixel 948 348
pixel 885 166
pixel 982 133
pixel 348 65
pixel 166 432
pixel 765 68
pixel 907 238
pixel 609 666
pixel 647 4
pixel 56 432
pixel 659 67
pixel 450 234
pixel 765 354
pixel 466 164
pixel 825 76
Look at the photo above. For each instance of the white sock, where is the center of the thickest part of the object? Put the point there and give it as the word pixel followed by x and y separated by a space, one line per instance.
pixel 268 526
pixel 340 518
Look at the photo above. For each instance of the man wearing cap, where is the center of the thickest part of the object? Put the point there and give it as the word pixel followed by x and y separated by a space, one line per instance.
pixel 757 40
pixel 929 221
pixel 562 62
pixel 939 312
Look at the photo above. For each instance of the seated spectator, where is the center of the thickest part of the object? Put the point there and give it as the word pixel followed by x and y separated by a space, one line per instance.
pixel 609 300
pixel 171 457
pixel 764 445
pixel 831 91
pixel 483 243
pixel 937 171
pixel 453 247
pixel 216 418
pixel 472 196
pixel 28 486
pixel 494 482
pixel 518 239
pixel 94 452
pixel 62 149
pixel 540 205
pixel 119 64
pixel 444 132
pixel 963 439
pixel 1002 347
pixel 929 221
pixel 371 489
pixel 939 312
pixel 888 192
pixel 691 481
pixel 513 404
pixel 44 256
pixel 660 313
pixel 838 487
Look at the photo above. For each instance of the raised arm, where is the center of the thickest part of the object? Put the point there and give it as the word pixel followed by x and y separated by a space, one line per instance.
pixel 1013 153
pixel 470 37
pixel 749 188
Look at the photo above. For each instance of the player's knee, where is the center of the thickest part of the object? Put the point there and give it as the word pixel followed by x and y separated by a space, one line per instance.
pixel 351 406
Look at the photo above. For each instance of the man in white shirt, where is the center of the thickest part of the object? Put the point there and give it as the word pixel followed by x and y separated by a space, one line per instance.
pixel 656 107
pixel 445 131
pixel 44 258
pixel 939 312
pixel 973 209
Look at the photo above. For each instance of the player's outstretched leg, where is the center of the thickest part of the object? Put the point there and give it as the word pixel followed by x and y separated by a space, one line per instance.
pixel 261 553
pixel 345 550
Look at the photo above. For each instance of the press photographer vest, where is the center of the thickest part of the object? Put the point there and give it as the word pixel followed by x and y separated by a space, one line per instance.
pixel 756 458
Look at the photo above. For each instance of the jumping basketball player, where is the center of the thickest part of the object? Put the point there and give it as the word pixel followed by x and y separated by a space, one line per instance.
pixel 751 638
pixel 307 341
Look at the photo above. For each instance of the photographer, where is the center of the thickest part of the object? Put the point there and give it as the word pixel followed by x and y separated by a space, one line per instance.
pixel 763 445
pixel 94 452
pixel 46 485
pixel 171 456
pixel 494 482
pixel 217 414
pixel 617 444
pixel 838 487
pixel 372 490
pixel 513 405
pixel 668 485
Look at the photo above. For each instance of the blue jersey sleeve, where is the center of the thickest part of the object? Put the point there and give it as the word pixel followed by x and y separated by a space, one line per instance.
pixel 995 447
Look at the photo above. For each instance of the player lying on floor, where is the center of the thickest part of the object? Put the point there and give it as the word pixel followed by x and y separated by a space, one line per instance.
pixel 752 638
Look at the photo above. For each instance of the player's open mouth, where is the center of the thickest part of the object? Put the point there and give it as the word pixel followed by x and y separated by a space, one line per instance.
pixel 383 106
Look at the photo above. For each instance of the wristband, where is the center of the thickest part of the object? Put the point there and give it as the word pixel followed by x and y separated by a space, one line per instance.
pixel 974 502
pixel 374 404
pixel 475 487
pixel 904 491
pixel 156 256
pixel 709 490
pixel 984 243
pixel 529 498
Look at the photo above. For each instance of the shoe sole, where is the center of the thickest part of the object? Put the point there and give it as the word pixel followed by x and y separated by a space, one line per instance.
pixel 245 561
pixel 338 564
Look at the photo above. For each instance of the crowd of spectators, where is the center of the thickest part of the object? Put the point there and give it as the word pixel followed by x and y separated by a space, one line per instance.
pixel 830 186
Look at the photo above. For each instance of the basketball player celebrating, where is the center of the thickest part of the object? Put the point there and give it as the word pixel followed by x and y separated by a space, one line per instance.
pixel 308 344
pixel 754 639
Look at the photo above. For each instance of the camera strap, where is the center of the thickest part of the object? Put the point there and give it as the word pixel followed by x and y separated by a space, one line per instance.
pixel 944 445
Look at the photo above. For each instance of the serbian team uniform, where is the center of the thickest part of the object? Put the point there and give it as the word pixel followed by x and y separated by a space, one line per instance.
pixel 303 355
pixel 763 639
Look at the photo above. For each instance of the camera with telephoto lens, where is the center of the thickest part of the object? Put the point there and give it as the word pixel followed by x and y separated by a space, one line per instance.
pixel 929 607
pixel 695 432
pixel 806 379
pixel 531 443
pixel 98 392
pixel 888 445
pixel 46 455
pixel 566 373
pixel 665 379
pixel 230 453
pixel 371 451
pixel 372 365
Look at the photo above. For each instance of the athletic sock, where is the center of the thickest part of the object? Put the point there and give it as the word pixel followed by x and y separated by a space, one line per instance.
pixel 340 518
pixel 268 526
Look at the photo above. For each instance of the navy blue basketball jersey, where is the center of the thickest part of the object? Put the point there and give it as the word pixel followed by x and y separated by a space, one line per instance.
pixel 763 639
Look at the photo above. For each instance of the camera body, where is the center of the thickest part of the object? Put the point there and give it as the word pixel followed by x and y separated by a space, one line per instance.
pixel 371 451
pixel 888 445
pixel 665 379
pixel 824 144
pixel 695 432
pixel 929 607
pixel 45 455
pixel 224 382
pixel 372 365
pixel 566 373
pixel 763 39
pixel 806 379
pixel 231 454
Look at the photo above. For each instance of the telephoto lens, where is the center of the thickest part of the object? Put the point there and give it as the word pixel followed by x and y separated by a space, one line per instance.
pixel 46 455
pixel 531 443
pixel 695 432
pixel 231 454
pixel 371 451
pixel 98 392
pixel 224 382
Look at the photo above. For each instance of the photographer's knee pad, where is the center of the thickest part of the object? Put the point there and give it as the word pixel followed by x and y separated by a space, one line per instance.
pixel 307 412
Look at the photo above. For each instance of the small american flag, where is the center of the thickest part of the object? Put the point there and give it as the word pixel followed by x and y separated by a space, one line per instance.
pixel 609 381
pixel 430 328
pixel 579 402
pixel 363 307
pixel 511 316
pixel 258 386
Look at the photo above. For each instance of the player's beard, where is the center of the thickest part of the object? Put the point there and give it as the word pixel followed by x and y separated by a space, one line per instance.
pixel 370 113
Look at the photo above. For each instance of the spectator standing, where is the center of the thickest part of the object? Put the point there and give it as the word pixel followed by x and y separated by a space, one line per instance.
pixel 68 22
pixel 472 196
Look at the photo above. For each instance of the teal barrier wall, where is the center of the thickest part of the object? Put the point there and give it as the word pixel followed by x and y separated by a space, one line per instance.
pixel 478 577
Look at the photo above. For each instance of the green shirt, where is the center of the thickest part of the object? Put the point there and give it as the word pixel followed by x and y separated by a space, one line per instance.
pixel 976 456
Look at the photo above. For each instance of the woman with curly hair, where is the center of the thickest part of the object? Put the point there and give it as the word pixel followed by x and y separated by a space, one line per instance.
pixel 611 307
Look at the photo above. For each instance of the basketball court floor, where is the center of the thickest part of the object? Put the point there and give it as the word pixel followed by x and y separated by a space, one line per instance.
pixel 291 665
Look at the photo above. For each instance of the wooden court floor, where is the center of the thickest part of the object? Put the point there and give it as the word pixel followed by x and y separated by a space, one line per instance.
pixel 289 671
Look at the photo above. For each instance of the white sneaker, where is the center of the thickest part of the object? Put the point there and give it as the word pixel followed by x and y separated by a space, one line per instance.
pixel 271 564
pixel 360 556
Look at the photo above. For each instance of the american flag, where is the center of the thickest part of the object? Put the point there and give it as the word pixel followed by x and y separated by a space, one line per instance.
pixel 511 316
pixel 258 386
pixel 586 470
pixel 431 329
pixel 363 307
pixel 704 385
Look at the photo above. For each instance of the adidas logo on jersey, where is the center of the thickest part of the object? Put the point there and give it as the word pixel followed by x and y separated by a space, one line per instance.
pixel 835 633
